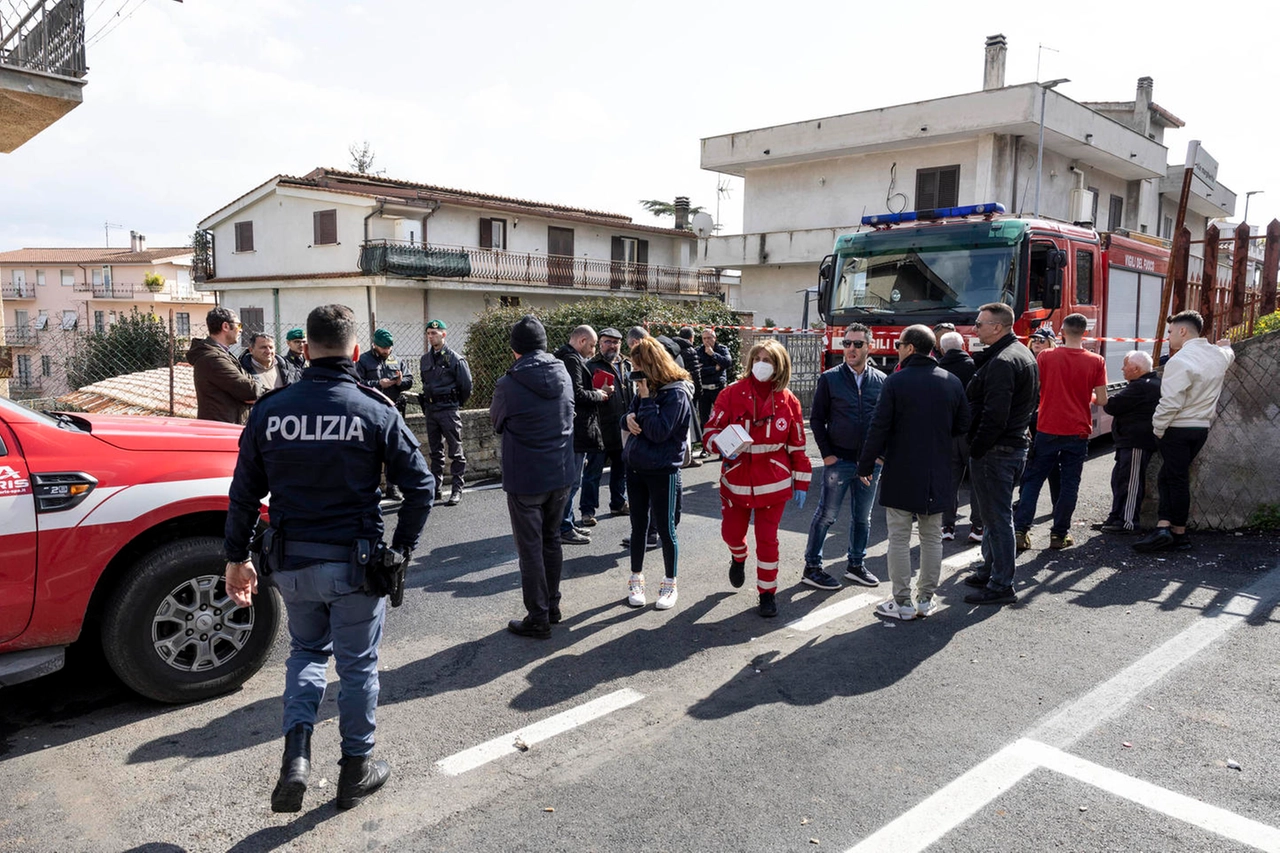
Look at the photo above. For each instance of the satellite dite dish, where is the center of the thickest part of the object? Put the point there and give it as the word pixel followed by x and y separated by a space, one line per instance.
pixel 703 224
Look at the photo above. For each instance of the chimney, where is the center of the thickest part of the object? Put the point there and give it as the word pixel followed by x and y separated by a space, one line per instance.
pixel 1142 106
pixel 133 241
pixel 993 70
pixel 142 243
pixel 682 212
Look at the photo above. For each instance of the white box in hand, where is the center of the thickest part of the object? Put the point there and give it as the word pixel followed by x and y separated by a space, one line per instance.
pixel 733 439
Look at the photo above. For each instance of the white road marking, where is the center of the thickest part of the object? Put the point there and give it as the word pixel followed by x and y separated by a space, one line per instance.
pixel 951 806
pixel 1171 803
pixel 476 756
pixel 946 809
pixel 823 615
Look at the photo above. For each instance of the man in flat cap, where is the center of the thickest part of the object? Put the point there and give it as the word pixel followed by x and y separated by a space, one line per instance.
pixel 295 340
pixel 446 387
pixel 380 369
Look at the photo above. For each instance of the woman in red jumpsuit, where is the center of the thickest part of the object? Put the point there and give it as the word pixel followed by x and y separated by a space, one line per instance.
pixel 764 475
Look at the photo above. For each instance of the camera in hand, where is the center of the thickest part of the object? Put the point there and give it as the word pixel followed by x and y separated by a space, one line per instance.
pixel 638 376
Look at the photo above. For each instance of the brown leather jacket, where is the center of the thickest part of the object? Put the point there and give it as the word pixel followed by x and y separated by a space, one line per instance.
pixel 222 386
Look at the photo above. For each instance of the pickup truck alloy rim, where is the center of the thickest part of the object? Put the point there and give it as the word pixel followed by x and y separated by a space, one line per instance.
pixel 198 627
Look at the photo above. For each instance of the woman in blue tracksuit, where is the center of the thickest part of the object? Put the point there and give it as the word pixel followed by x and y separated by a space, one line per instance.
pixel 656 430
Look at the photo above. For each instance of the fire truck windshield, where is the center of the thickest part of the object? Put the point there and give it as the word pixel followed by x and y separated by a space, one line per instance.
pixel 940 273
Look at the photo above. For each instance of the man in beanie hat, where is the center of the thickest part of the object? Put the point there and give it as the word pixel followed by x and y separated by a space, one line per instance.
pixel 532 409
pixel 446 387
pixel 295 340
pixel 380 369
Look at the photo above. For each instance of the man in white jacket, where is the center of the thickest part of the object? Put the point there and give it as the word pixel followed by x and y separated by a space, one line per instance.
pixel 1189 394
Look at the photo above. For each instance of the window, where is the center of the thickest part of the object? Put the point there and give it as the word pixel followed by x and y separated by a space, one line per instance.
pixel 1093 215
pixel 938 187
pixel 1037 273
pixel 1166 230
pixel 46 365
pixel 42 320
pixel 20 321
pixel 106 275
pixel 1115 212
pixel 493 234
pixel 244 236
pixel 68 277
pixel 24 370
pixel 560 256
pixel 97 278
pixel 182 324
pixel 324 224
pixel 252 321
pixel 19 279
pixel 1084 277
pixel 509 301
pixel 99 321
pixel 69 320
pixel 40 278
pixel 628 254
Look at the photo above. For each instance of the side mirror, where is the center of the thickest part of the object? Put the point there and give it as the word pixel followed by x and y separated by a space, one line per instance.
pixel 826 270
pixel 1055 264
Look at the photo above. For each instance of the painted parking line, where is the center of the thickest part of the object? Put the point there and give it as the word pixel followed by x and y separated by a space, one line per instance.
pixel 476 756
pixel 831 612
pixel 937 814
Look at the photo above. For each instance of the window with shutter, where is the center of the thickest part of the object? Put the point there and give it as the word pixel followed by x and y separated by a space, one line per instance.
pixel 1115 213
pixel 251 321
pixel 325 225
pixel 493 234
pixel 244 236
pixel 937 187
pixel 486 234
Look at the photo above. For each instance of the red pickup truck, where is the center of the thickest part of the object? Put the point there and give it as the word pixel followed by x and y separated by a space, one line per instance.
pixel 111 532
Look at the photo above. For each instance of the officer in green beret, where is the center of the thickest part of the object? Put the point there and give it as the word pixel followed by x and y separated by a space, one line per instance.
pixel 294 340
pixel 379 369
pixel 446 387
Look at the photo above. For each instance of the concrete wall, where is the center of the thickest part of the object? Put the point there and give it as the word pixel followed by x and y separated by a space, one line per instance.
pixel 479 442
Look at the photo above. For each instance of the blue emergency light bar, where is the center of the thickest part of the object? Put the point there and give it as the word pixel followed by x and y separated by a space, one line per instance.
pixel 937 213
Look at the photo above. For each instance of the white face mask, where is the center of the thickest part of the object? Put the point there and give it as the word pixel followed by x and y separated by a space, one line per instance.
pixel 762 370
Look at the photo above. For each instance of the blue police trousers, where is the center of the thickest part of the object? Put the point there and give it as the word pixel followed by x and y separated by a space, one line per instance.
pixel 328 616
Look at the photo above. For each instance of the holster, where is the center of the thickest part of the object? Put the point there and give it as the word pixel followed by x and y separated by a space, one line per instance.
pixel 268 544
pixel 384 574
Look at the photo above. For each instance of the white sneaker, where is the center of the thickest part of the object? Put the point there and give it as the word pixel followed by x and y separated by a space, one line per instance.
pixel 894 610
pixel 926 607
pixel 667 595
pixel 948 534
pixel 635 591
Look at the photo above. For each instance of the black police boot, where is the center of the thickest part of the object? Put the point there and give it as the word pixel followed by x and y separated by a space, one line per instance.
pixel 360 777
pixel 295 768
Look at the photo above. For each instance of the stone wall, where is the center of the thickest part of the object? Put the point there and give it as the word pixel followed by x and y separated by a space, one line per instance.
pixel 479 442
pixel 1239 469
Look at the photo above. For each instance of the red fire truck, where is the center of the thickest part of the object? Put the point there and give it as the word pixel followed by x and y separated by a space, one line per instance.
pixel 935 266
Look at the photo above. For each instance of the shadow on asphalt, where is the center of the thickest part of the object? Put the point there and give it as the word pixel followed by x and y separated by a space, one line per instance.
pixel 274 837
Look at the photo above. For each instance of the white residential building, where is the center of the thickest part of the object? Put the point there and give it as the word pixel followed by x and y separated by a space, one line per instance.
pixel 399 253
pixel 810 181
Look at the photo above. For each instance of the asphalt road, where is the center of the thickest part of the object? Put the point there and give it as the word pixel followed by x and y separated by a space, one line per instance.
pixel 1100 713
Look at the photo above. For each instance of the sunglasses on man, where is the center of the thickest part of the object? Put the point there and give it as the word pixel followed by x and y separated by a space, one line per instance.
pixel 854 344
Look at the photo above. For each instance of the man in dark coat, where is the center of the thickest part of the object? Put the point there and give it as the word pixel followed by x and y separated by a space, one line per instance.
pixel 1131 409
pixel 586 419
pixel 714 362
pixel 608 368
pixel 224 392
pixel 691 360
pixel 959 364
pixel 1003 394
pixel 261 362
pixel 532 409
pixel 921 409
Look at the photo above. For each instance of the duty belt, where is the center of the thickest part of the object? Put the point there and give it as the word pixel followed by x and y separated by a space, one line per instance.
pixel 318 551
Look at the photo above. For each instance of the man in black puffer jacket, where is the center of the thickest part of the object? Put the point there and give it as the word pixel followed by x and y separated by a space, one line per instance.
pixel 1003 394
pixel 1132 408
pixel 586 419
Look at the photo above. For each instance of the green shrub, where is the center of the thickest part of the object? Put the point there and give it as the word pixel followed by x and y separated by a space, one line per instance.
pixel 1269 323
pixel 134 342
pixel 1266 516
pixel 488 347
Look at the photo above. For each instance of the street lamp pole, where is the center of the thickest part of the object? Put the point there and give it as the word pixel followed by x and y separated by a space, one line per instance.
pixel 1246 203
pixel 1044 95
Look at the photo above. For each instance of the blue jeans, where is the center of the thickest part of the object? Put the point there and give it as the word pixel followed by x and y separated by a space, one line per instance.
pixel 992 478
pixel 838 479
pixel 592 475
pixel 1066 453
pixel 567 523
pixel 330 616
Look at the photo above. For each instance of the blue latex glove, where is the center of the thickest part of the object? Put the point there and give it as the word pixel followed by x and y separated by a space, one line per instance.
pixel 800 496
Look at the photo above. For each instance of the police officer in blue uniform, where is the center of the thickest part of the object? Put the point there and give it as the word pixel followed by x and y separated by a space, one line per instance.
pixel 319 446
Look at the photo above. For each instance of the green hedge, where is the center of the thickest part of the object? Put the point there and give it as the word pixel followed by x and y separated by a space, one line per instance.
pixel 488 347
pixel 1268 323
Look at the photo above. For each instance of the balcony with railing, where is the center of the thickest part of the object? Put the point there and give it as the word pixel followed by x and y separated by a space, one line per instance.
pixel 19 336
pixel 138 292
pixel 42 65
pixel 14 290
pixel 494 266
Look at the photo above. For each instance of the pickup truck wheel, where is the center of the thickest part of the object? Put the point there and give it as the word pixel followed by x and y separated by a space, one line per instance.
pixel 171 633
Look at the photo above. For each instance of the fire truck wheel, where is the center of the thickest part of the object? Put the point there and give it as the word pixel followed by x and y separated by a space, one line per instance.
pixel 171 633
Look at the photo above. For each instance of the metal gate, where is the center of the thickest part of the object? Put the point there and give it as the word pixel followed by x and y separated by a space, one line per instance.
pixel 805 349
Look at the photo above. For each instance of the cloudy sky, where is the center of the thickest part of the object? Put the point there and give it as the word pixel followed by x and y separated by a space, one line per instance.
pixel 590 104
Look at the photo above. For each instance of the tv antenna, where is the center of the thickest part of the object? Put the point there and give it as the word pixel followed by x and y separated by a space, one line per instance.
pixel 1041 48
pixel 724 189
pixel 106 231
